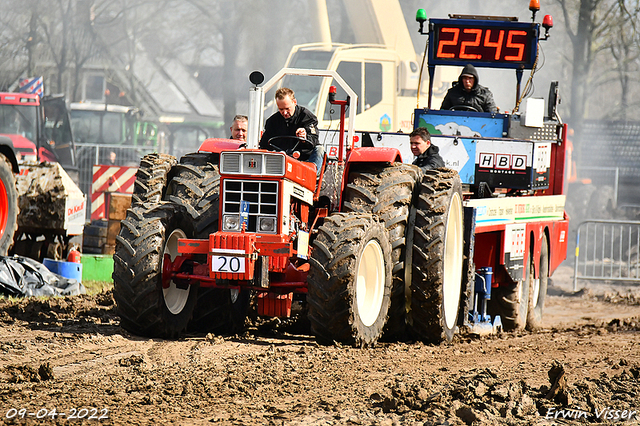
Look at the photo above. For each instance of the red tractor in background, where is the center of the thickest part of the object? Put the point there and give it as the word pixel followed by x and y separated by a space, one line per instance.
pixel 35 144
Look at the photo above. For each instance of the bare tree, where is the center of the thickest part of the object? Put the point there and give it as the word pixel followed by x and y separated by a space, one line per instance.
pixel 225 18
pixel 593 17
pixel 56 29
pixel 622 46
pixel 256 34
pixel 19 40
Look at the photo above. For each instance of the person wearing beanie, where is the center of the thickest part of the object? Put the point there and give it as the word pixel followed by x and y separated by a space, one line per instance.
pixel 468 94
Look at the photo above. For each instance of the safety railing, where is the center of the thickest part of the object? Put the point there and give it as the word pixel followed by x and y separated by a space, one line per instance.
pixel 607 250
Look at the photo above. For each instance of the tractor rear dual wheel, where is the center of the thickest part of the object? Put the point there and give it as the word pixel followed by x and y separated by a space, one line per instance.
pixel 8 206
pixel 387 192
pixel 195 187
pixel 350 280
pixel 437 257
pixel 151 178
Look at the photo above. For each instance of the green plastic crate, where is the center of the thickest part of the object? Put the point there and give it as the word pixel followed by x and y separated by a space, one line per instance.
pixel 97 267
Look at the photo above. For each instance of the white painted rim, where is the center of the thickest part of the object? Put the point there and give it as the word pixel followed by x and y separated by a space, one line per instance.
pixel 536 291
pixel 174 298
pixel 370 283
pixel 452 262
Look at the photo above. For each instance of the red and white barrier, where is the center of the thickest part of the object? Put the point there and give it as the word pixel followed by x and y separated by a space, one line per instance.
pixel 107 179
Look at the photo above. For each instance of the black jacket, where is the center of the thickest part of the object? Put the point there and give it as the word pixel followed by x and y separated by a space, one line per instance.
pixel 479 97
pixel 430 159
pixel 277 125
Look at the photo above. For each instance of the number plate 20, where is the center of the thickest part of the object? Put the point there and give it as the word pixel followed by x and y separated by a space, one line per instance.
pixel 231 261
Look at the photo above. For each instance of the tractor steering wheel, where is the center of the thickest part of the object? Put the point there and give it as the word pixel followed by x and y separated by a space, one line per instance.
pixel 463 108
pixel 295 141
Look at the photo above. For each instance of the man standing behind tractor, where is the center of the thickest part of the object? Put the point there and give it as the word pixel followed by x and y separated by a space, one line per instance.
pixel 427 155
pixel 294 120
pixel 467 94
pixel 239 128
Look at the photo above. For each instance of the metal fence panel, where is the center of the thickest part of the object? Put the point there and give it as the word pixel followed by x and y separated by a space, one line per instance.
pixel 607 250
pixel 89 155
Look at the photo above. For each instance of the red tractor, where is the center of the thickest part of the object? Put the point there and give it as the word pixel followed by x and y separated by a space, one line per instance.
pixel 34 133
pixel 206 234
pixel 36 142
pixel 376 247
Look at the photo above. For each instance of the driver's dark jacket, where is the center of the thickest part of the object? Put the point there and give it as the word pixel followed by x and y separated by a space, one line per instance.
pixel 430 159
pixel 479 98
pixel 277 125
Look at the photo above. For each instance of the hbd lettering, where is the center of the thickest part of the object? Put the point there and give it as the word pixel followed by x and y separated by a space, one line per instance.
pixel 502 163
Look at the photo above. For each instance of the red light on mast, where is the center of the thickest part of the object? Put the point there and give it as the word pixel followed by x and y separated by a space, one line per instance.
pixel 332 93
pixel 547 22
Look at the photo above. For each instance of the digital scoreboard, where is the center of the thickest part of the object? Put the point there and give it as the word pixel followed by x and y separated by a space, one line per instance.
pixel 494 44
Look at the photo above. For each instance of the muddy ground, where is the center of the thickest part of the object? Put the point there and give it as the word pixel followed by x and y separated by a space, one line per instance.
pixel 70 354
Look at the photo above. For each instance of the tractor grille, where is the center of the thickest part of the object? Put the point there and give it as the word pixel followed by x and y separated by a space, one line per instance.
pixel 262 198
pixel 252 163
pixel 230 163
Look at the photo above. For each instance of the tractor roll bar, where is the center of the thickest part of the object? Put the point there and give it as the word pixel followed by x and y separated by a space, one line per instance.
pixel 256 101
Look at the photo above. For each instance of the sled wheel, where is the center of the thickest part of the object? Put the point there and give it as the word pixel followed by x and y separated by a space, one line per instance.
pixel 387 192
pixel 438 250
pixel 8 206
pixel 511 302
pixel 350 280
pixel 538 288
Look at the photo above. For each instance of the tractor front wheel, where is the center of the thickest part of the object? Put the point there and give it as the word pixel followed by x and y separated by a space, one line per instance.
pixel 145 307
pixel 350 280
pixel 387 192
pixel 195 188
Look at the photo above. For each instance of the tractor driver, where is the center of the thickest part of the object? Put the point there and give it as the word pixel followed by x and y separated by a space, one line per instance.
pixel 467 94
pixel 294 121
pixel 427 155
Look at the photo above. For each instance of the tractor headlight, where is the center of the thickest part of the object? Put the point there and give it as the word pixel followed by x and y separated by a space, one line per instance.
pixel 267 224
pixel 231 222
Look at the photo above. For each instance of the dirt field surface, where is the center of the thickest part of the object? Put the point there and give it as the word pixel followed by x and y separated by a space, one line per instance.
pixel 71 356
